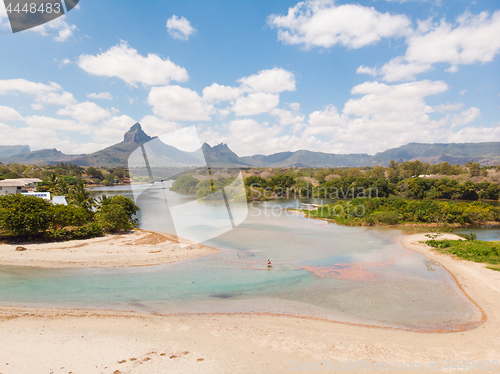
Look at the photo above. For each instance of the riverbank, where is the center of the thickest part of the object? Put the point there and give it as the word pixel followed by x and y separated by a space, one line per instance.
pixel 137 248
pixel 87 341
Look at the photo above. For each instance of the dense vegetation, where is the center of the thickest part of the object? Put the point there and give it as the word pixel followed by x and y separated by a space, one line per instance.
pixel 23 217
pixel 69 173
pixel 208 189
pixel 471 250
pixel 399 211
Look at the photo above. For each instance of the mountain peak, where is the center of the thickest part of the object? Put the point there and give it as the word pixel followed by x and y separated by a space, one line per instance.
pixel 136 135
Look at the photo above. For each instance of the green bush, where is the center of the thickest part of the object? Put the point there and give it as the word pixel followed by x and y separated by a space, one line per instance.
pixel 24 215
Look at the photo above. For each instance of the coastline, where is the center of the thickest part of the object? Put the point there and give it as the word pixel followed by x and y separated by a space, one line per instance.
pixel 137 248
pixel 88 341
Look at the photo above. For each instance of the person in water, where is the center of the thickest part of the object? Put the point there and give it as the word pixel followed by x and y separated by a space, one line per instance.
pixel 269 265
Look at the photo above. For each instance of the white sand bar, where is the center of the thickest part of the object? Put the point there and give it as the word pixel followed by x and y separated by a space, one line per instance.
pixel 139 248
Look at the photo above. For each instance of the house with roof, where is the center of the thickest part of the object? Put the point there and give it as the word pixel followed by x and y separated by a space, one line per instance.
pixel 21 185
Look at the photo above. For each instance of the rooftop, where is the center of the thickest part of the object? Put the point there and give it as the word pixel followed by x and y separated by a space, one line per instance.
pixel 22 182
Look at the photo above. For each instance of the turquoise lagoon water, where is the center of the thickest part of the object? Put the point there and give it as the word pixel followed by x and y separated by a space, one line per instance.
pixel 350 274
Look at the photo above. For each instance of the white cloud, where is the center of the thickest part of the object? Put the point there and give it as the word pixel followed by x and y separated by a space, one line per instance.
pixel 269 81
pixel 86 112
pixel 44 94
pixel 476 134
pixel 255 103
pixel 4 20
pixel 463 92
pixel 387 116
pixel 111 130
pixel 286 117
pixel 327 121
pixel 398 69
pixel 249 137
pixel 320 23
pixel 126 63
pixel 36 106
pixel 448 107
pixel 366 70
pixel 466 42
pixel 59 25
pixel 179 28
pixel 102 95
pixel 155 126
pixel 175 103
pixel 36 137
pixel 217 93
pixel 393 105
pixel 56 124
pixel 9 114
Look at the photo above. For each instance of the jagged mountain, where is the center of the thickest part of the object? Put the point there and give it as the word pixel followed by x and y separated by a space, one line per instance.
pixel 11 150
pixel 221 156
pixel 161 155
pixel 158 153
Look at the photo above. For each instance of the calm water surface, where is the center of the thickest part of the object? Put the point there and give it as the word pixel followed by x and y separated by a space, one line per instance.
pixel 359 275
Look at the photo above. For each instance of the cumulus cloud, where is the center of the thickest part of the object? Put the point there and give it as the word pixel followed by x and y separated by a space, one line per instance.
pixel 387 116
pixel 255 103
pixel 63 31
pixel 126 63
pixel 367 70
pixel 320 23
pixel 102 95
pixel 465 42
pixel 269 81
pixel 217 93
pixel 180 28
pixel 287 117
pixel 86 112
pixel 175 103
pixel 9 114
pixel 158 126
pixel 56 124
pixel 112 129
pixel 43 93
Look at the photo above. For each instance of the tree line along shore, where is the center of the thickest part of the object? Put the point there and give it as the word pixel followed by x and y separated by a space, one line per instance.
pixel 402 193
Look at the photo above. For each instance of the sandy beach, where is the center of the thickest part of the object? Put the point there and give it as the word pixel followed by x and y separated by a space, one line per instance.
pixel 35 340
pixel 139 248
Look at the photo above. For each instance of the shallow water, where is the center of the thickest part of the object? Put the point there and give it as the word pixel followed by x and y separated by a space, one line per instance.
pixel 358 275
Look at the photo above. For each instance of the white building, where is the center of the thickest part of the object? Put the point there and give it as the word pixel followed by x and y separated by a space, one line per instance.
pixel 21 185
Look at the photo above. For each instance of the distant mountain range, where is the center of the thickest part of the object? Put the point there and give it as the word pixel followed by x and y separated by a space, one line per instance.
pixel 158 154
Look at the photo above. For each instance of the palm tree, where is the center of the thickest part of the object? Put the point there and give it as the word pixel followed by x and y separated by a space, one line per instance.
pixel 52 180
pixel 81 197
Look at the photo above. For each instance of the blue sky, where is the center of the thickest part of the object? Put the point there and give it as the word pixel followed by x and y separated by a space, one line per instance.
pixel 262 76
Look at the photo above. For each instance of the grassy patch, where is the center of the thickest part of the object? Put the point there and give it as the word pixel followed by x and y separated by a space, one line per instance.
pixel 471 250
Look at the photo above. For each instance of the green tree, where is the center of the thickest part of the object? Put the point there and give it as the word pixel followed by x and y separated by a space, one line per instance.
pixel 94 173
pixel 67 215
pixel 474 169
pixel 117 213
pixel 81 197
pixel 24 215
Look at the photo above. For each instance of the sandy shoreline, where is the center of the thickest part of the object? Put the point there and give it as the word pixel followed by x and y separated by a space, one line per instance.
pixel 35 340
pixel 139 248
